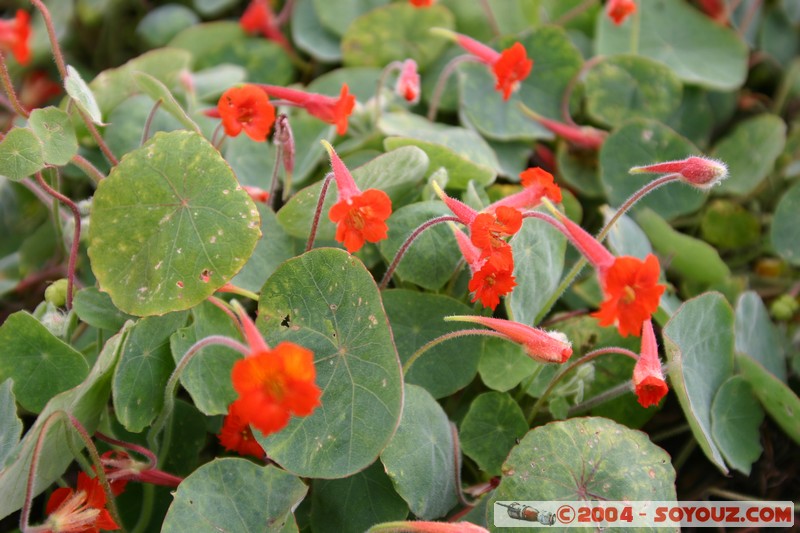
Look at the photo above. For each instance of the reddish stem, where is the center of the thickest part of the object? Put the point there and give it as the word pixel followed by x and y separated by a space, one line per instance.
pixel 8 85
pixel 447 71
pixel 141 450
pixel 76 236
pixel 318 211
pixel 404 247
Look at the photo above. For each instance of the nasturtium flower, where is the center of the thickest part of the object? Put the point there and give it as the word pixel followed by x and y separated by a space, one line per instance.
pixel 120 468
pixel 648 380
pixel 421 3
pixel 359 216
pixel 534 178
pixel 408 84
pixel 619 10
pixel 81 510
pixel 236 435
pixel 465 213
pixel 259 18
pixel 487 232
pixel 246 108
pixel 510 67
pixel 632 293
pixel 326 108
pixel 274 384
pixel 543 346
pixel 15 35
pixel 490 283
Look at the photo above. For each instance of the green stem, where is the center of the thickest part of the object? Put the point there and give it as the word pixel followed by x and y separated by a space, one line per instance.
pixel 557 379
pixel 391 67
pixel 88 168
pixel 146 510
pixel 635 30
pixel 172 383
pixel 447 336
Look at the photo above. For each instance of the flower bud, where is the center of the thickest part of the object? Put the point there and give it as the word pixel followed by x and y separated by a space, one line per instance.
pixel 700 172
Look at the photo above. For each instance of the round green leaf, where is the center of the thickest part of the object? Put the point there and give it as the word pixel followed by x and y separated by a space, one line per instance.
pixel 207 377
pixel 21 154
pixel 490 429
pixel 391 32
pixel 699 344
pixel 10 424
pixel 170 225
pixel 337 17
pixel 311 37
pixel 757 336
pixel 203 39
pixel 420 458
pixel 126 123
pixel 355 503
pixel 397 173
pixel 735 420
pixel 624 87
pixel 676 34
pixel 161 24
pixel 776 397
pixel 726 224
pixel 694 118
pixel 538 262
pixel 555 62
pixel 642 142
pixel 416 318
pixel 784 226
pixel 626 237
pixel 432 258
pixel 144 367
pixel 459 167
pixel 54 128
pixel 233 494
pixel 579 168
pixel 748 167
pixel 96 309
pixel 582 458
pixel 503 365
pixel 327 301
pixel 159 92
pixel 40 364
pixel 265 61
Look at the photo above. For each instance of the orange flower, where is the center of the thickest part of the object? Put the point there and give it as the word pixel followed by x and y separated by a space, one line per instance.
pixel 648 379
pixel 274 384
pixel 421 3
pixel 490 283
pixel 331 110
pixel 236 435
pixel 487 231
pixel 619 10
pixel 512 67
pixel 14 36
pixel 543 346
pixel 246 108
pixel 259 18
pixel 360 216
pixel 632 293
pixel 541 179
pixel 79 511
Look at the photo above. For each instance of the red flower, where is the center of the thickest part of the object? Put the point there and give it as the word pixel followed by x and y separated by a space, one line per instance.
pixel 259 18
pixel 274 384
pixel 236 434
pixel 648 379
pixel 487 231
pixel 541 345
pixel 490 283
pixel 331 110
pixel 619 10
pixel 632 293
pixel 247 108
pixel 715 9
pixel 421 3
pixel 79 511
pixel 408 82
pixel 256 194
pixel 700 172
pixel 510 67
pixel 541 179
pixel 464 212
pixel 14 36
pixel 471 253
pixel 359 216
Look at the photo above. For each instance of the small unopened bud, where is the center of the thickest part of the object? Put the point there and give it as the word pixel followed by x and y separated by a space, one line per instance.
pixel 700 172
pixel 408 84
pixel 284 137
pixel 56 293
pixel 256 194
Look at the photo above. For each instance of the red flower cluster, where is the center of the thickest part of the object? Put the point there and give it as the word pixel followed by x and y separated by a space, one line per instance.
pixel 79 511
pixel 246 108
pixel 272 384
pixel 14 36
pixel 359 216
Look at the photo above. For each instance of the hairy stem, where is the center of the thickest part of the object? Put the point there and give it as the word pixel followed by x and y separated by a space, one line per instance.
pixel 441 83
pixel 447 336
pixel 8 85
pixel 312 235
